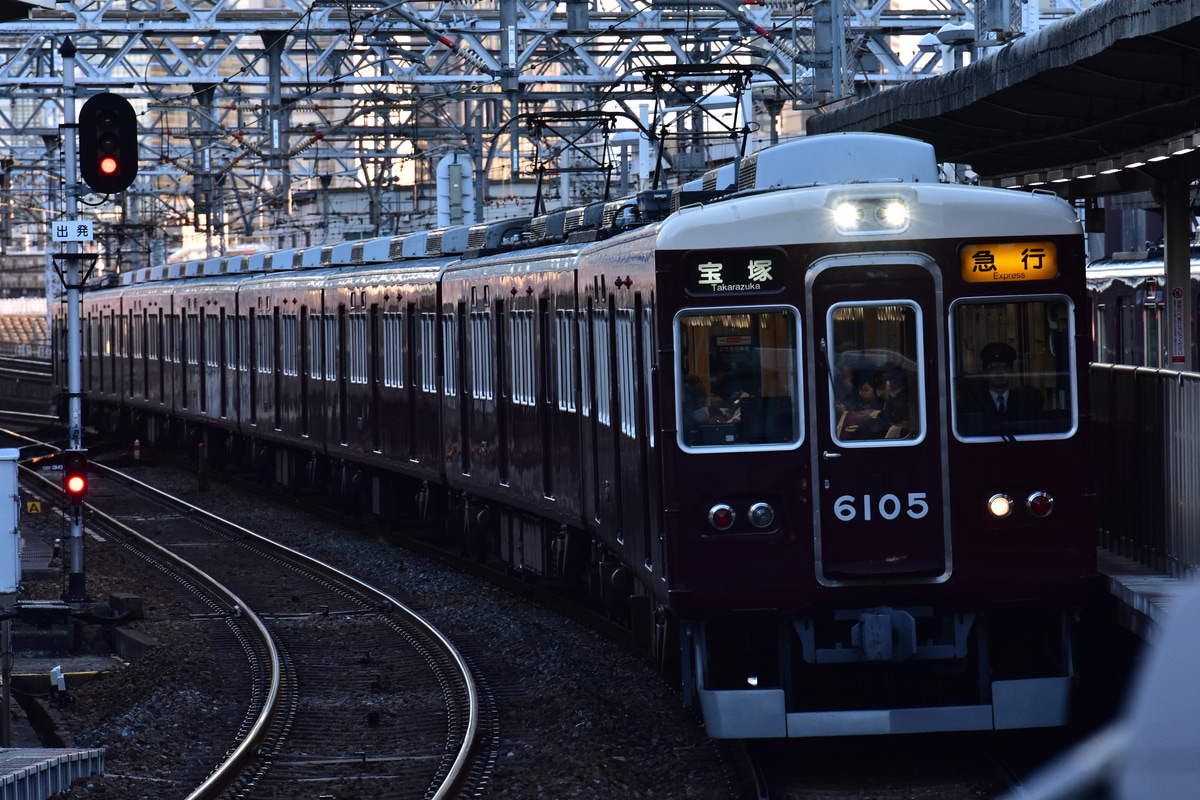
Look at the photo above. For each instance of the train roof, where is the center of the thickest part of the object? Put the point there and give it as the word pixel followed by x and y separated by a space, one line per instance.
pixel 857 160
pixel 1134 267
pixel 775 218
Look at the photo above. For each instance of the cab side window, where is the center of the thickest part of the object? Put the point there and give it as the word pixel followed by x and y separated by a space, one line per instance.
pixel 1013 369
pixel 738 379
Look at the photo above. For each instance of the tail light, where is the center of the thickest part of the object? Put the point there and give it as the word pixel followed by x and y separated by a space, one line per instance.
pixel 1040 504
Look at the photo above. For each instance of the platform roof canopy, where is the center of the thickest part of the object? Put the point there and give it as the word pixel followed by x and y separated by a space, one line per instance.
pixel 1104 102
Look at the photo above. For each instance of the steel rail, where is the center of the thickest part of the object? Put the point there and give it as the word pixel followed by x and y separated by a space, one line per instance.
pixel 458 770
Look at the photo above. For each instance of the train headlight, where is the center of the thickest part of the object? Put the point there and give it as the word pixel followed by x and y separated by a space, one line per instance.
pixel 1000 505
pixel 1040 504
pixel 762 515
pixel 871 215
pixel 892 214
pixel 721 517
pixel 848 216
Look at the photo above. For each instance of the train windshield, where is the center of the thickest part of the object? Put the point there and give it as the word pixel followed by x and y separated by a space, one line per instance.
pixel 738 382
pixel 1014 369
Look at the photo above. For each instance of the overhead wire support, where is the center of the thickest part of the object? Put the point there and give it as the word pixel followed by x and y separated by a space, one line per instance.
pixel 456 47
pixel 680 78
pixel 539 124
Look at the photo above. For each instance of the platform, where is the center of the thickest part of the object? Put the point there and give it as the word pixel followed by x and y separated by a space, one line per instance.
pixel 1147 597
pixel 38 773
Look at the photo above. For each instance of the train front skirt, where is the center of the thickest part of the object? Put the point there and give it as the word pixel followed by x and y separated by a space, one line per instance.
pixel 991 692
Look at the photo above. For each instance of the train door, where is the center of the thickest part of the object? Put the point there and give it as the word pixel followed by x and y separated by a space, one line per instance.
pixel 339 373
pixel 202 357
pixel 223 362
pixel 879 454
pixel 274 347
pixel 251 350
pixel 411 376
pixel 374 377
pixel 307 368
pixel 502 381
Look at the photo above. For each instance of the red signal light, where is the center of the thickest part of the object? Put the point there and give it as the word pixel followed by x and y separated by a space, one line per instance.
pixel 108 146
pixel 75 481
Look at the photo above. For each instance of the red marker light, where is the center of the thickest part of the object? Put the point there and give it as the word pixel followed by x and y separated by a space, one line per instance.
pixel 1040 504
pixel 721 517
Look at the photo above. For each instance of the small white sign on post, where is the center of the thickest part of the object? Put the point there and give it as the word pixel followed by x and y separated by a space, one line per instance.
pixel 71 230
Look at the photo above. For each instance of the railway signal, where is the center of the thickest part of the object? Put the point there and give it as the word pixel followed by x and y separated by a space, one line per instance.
pixel 75 479
pixel 108 149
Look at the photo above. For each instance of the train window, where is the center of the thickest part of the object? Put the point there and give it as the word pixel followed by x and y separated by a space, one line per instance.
pixel 564 320
pixel 449 355
pixel 626 376
pixel 1013 370
pixel 393 350
pixel 521 352
pixel 212 337
pixel 738 378
pixel 357 355
pixel 331 348
pixel 877 376
pixel 152 352
pixel 137 334
pixel 603 381
pixel 585 372
pixel 289 348
pixel 231 341
pixel 482 387
pixel 429 352
pixel 314 346
pixel 243 346
pixel 192 332
pixel 173 338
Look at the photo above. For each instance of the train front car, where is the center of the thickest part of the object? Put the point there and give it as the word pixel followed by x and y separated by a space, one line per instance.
pixel 859 540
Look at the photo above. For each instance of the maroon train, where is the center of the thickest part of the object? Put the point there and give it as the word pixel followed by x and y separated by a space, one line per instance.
pixel 763 427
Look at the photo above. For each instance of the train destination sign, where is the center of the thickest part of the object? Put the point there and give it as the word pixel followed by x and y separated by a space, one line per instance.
pixel 1001 262
pixel 733 271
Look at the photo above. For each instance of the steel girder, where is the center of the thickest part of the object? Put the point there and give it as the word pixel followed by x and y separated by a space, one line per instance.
pixel 245 106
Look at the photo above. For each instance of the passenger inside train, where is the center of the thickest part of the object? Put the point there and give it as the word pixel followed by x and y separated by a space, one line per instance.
pixel 739 379
pixel 877 344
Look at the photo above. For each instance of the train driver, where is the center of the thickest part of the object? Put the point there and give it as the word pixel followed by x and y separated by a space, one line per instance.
pixel 1000 398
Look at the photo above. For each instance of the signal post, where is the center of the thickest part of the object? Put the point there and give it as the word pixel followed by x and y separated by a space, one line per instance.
pixel 107 159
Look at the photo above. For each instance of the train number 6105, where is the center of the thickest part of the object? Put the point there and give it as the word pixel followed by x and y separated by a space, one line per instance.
pixel 889 506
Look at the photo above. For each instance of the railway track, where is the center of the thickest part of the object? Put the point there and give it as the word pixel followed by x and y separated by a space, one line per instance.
pixel 345 685
pixel 26 389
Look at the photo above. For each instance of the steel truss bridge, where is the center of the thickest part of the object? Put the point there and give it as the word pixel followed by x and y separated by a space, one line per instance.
pixel 277 122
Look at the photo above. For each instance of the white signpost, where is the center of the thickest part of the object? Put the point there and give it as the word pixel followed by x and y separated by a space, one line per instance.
pixel 71 230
